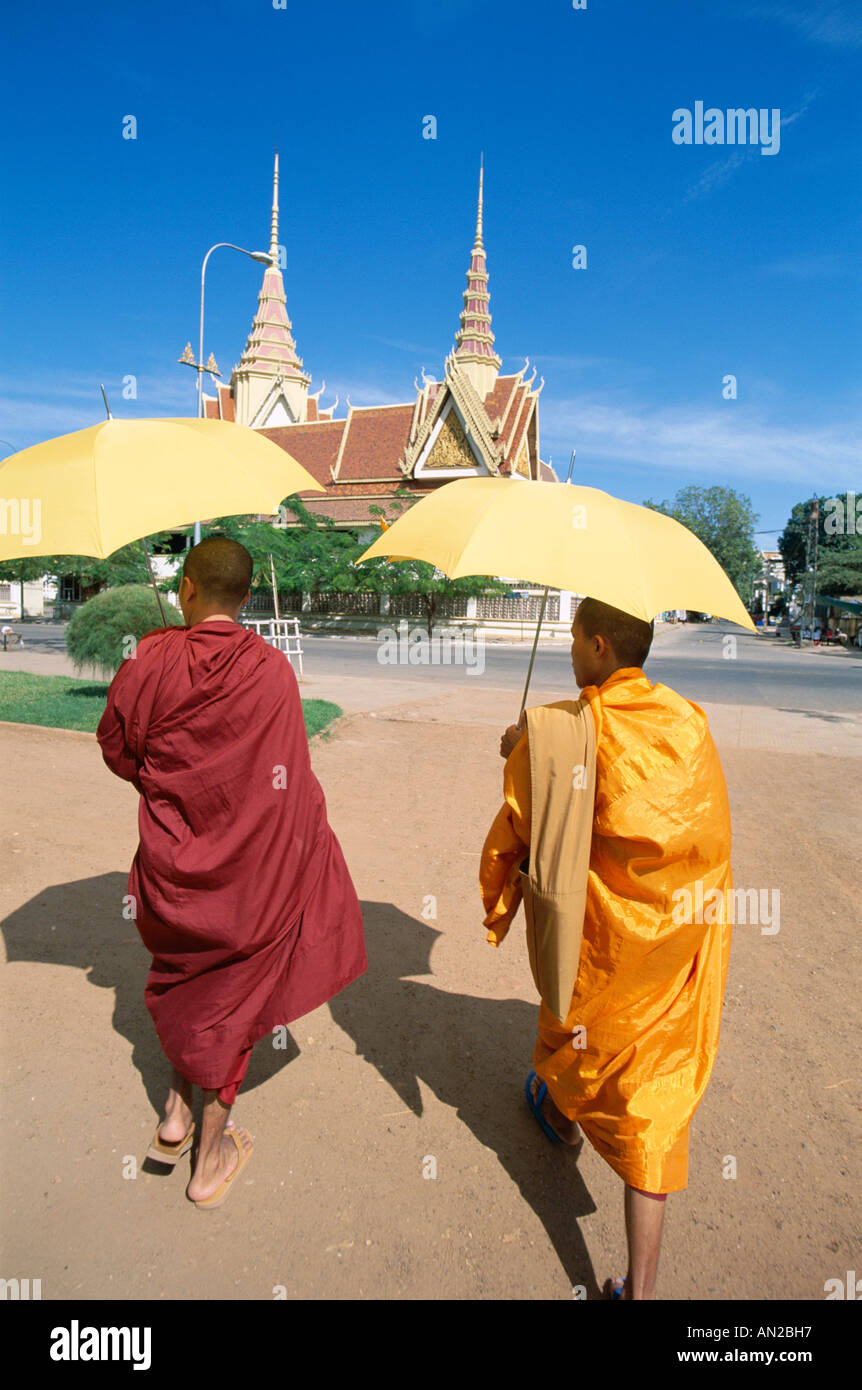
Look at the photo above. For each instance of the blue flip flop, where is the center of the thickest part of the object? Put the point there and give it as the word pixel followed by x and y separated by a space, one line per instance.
pixel 618 1293
pixel 536 1107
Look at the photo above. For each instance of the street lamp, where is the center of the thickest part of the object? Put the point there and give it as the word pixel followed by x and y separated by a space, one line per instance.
pixel 21 579
pixel 187 360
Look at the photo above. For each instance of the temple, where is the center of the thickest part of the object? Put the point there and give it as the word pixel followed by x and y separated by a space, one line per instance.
pixel 474 423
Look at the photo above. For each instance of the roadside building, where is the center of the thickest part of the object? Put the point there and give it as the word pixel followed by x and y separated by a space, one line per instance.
pixel 771 584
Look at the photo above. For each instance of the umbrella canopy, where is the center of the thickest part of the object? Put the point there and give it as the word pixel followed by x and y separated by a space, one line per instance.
pixel 91 492
pixel 566 536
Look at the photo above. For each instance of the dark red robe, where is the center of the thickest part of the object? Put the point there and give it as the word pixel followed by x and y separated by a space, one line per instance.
pixel 239 885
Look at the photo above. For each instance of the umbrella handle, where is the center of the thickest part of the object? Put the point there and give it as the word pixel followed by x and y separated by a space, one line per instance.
pixel 541 613
pixel 533 652
pixel 153 582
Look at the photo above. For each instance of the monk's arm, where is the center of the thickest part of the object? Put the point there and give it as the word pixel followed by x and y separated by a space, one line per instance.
pixel 506 845
pixel 111 733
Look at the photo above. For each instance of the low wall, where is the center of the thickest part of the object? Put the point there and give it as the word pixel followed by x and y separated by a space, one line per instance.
pixel 501 630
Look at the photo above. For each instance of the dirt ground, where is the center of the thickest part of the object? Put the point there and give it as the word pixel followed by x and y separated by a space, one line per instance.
pixel 419 1067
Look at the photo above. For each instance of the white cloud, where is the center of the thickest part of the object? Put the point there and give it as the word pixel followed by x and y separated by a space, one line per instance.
pixel 735 442
pixel 813 267
pixel 547 359
pixel 821 21
pixel 716 174
pixel 414 349
pixel 37 408
pixel 795 115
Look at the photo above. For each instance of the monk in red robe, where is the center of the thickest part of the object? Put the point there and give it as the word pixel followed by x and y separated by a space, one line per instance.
pixel 239 887
pixel 629 1064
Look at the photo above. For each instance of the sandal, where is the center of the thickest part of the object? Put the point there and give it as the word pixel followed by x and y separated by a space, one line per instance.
pixel 169 1154
pixel 223 1191
pixel 535 1104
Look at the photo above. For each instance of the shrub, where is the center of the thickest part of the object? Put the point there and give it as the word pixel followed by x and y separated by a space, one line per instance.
pixel 98 634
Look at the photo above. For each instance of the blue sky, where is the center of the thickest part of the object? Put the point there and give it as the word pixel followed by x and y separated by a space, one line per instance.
pixel 702 260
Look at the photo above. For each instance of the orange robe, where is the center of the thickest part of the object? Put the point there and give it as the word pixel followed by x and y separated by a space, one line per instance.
pixel 633 1058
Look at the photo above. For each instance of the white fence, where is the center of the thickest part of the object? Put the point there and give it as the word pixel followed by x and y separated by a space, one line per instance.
pixel 282 633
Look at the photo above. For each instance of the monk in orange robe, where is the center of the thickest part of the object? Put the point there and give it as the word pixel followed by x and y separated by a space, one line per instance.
pixel 630 1063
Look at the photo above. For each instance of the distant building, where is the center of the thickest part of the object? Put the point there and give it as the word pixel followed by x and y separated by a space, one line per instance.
pixel 771 579
pixel 474 423
pixel 11 594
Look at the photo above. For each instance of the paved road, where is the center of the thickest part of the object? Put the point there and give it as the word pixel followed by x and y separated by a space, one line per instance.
pixel 690 661
pixel 763 672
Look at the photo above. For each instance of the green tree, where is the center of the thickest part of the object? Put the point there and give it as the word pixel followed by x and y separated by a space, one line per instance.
pixel 724 520
pixel 419 577
pixel 316 556
pixel 839 543
pixel 125 566
pixel 103 631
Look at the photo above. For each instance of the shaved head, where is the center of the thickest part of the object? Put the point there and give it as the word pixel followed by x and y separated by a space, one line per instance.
pixel 630 638
pixel 220 570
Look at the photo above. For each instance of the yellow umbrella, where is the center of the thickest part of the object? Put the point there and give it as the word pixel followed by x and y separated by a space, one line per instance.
pixel 90 492
pixel 568 537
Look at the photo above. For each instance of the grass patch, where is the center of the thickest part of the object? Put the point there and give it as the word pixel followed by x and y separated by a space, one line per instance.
pixel 62 702
pixel 319 713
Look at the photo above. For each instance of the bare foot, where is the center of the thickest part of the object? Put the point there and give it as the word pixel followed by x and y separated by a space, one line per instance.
pixel 211 1173
pixel 178 1118
pixel 568 1130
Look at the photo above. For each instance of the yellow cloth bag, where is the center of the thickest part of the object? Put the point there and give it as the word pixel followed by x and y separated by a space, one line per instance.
pixel 562 740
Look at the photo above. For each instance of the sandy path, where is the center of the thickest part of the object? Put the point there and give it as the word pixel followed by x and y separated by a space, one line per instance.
pixel 422 1059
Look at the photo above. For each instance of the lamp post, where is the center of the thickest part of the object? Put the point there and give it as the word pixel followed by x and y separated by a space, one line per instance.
pixel 266 259
pixel 21 578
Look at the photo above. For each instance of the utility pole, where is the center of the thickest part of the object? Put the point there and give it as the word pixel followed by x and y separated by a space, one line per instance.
pixel 809 591
pixel 765 591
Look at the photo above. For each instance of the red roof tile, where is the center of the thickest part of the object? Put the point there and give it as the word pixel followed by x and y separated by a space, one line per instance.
pixel 345 508
pixel 314 446
pixel 519 418
pixel 376 439
pixel 226 403
pixel 497 399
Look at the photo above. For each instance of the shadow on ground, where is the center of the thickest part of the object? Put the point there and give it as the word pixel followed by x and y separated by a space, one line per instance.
pixel 472 1053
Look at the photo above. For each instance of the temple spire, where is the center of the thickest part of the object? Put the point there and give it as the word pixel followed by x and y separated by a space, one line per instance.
pixel 273 237
pixel 475 340
pixel 270 355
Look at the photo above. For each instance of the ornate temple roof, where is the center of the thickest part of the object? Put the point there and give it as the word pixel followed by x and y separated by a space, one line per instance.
pixel 473 422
